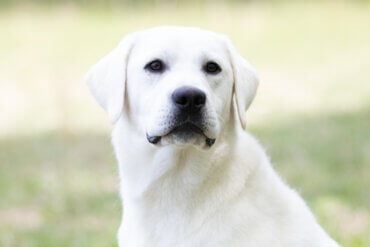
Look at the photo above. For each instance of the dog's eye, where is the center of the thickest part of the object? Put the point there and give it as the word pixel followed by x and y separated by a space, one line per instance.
pixel 212 68
pixel 155 66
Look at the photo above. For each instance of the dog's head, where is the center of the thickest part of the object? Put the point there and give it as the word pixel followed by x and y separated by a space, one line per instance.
pixel 176 84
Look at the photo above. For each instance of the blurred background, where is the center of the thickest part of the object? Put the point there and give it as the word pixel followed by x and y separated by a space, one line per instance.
pixel 58 176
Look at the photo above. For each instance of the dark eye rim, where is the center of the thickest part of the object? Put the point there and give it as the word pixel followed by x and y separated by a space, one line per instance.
pixel 216 71
pixel 149 66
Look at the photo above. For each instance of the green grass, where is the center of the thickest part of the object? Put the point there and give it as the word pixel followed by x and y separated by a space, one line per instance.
pixel 58 177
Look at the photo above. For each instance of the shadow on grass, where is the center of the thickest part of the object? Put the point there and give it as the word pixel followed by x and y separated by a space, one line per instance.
pixel 60 189
pixel 323 155
pixel 327 159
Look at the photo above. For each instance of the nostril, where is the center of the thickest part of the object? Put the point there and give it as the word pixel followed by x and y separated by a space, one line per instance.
pixel 200 99
pixel 181 100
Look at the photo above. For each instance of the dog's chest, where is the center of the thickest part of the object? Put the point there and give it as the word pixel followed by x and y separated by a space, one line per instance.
pixel 226 227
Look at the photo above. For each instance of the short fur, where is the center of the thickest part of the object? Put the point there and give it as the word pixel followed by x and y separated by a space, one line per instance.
pixel 178 193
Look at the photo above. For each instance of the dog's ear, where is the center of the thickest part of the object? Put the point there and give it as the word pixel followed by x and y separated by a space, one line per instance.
pixel 107 78
pixel 245 82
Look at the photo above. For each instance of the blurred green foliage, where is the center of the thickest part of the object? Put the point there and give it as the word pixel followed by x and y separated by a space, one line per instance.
pixel 115 3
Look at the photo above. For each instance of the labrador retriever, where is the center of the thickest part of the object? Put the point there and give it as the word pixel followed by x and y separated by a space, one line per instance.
pixel 191 175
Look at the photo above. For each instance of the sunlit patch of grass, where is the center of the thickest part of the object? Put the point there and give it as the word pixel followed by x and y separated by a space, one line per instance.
pixel 349 224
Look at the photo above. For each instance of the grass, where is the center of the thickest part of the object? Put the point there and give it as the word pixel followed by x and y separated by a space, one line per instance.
pixel 58 177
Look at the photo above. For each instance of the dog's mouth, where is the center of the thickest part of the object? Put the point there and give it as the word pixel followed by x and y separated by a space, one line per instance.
pixel 184 133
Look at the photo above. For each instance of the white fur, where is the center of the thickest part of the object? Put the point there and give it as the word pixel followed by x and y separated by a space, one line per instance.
pixel 184 194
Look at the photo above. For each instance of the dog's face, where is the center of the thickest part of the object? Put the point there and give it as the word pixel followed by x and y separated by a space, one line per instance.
pixel 179 86
pixel 176 82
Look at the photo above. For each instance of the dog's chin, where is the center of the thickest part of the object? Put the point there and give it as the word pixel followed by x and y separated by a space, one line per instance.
pixel 182 136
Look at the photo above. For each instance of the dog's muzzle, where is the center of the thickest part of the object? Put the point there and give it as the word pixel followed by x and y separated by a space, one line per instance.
pixel 188 103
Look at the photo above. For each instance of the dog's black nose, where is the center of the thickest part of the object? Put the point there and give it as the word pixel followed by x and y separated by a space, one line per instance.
pixel 189 99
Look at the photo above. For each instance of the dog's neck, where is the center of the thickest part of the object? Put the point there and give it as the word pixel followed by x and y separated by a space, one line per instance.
pixel 177 181
pixel 146 168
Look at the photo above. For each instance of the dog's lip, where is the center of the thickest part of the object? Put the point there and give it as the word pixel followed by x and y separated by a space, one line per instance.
pixel 187 126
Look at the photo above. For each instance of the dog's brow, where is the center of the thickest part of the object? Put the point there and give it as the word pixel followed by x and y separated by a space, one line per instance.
pixel 211 56
pixel 163 54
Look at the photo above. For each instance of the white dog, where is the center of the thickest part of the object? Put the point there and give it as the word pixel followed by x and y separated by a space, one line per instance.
pixel 190 173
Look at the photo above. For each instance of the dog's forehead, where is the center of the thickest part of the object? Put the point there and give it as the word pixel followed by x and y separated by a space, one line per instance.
pixel 180 40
